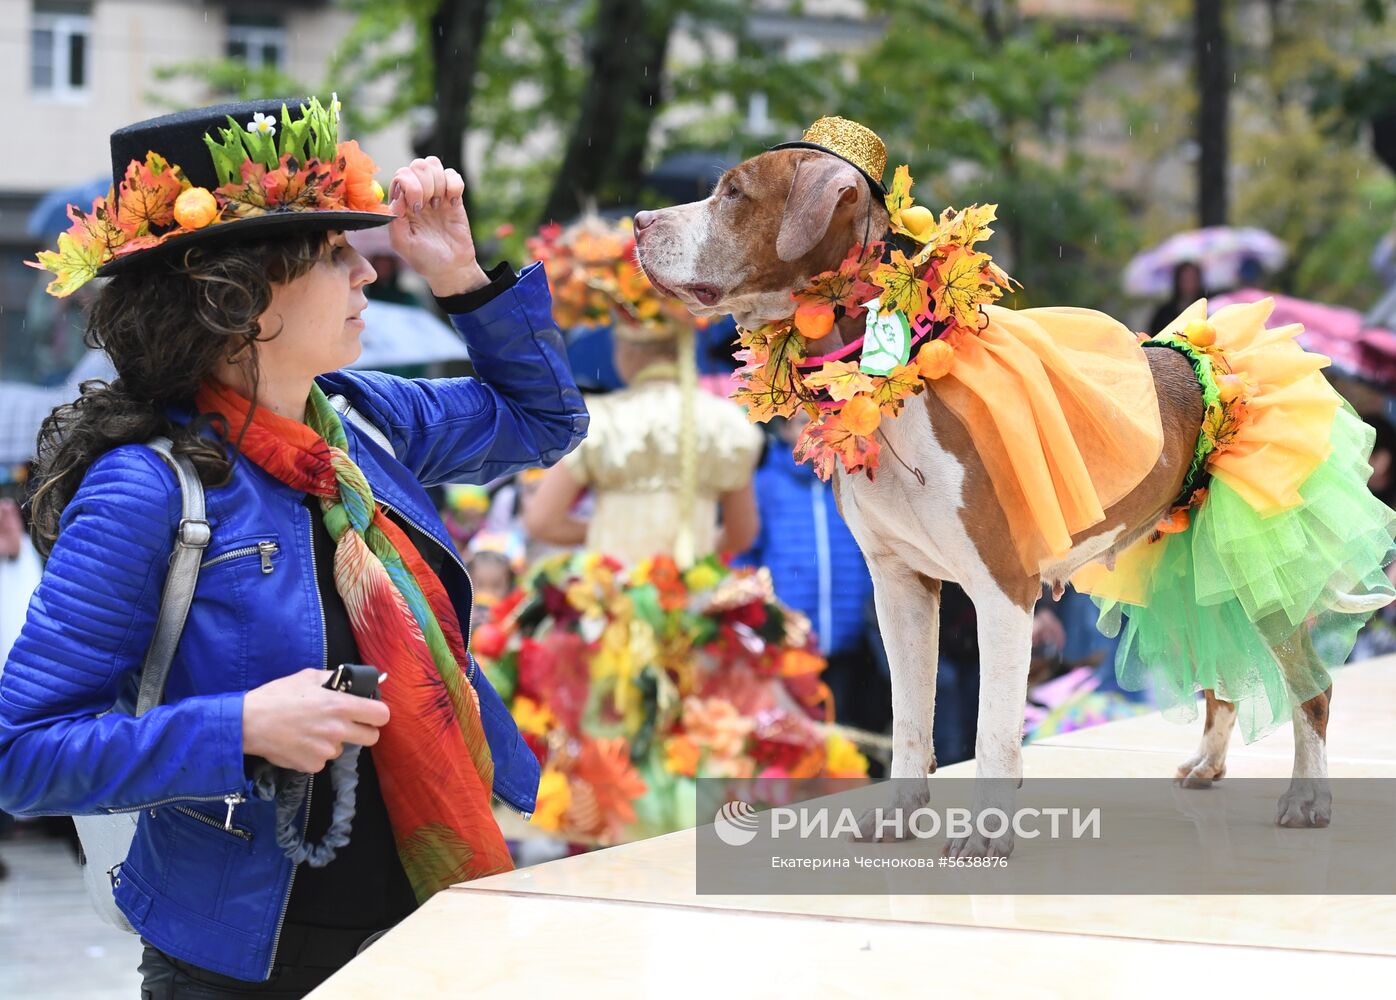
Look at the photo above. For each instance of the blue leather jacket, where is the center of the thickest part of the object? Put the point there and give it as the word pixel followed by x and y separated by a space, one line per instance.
pixel 205 881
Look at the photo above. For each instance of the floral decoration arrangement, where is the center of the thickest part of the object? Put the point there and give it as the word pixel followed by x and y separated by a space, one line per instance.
pixel 936 293
pixel 628 685
pixel 262 167
pixel 592 271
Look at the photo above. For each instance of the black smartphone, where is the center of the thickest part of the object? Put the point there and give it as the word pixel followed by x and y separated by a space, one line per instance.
pixel 358 679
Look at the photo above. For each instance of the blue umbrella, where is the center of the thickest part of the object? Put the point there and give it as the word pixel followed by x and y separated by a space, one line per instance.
pixel 50 215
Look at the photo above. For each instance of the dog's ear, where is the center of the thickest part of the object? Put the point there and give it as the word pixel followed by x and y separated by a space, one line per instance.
pixel 820 184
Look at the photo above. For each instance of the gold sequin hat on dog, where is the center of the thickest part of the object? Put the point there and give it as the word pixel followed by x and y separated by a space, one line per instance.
pixel 853 143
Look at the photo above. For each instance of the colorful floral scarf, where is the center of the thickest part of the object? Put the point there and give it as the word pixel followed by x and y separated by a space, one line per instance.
pixel 432 758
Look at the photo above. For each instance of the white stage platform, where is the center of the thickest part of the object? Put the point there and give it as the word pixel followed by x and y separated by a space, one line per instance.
pixel 627 922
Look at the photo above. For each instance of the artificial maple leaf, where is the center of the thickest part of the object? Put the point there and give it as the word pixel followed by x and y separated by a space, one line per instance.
pixel 843 286
pixel 96 226
pixel 960 287
pixel 247 197
pixel 843 379
pixel 899 195
pixel 827 440
pixel 971 225
pixel 902 289
pixel 75 263
pixel 774 388
pixel 890 391
pixel 148 194
pixel 1000 277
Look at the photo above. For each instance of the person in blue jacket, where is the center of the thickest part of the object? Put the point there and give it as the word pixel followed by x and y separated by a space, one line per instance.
pixel 248 288
pixel 818 569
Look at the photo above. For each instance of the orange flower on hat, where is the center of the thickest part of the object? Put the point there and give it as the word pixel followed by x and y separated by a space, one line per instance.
pixel 358 168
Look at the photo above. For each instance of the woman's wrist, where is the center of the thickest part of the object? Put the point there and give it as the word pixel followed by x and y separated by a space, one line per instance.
pixel 460 281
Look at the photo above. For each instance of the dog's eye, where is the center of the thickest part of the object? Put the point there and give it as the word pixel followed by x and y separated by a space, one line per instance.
pixel 732 192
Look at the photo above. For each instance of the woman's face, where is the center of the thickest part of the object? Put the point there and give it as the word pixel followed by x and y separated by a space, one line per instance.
pixel 312 325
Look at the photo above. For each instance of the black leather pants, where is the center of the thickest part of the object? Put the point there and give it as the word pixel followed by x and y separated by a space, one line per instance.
pixel 306 957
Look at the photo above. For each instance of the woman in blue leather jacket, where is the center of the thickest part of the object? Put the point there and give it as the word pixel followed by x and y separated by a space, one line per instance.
pixel 232 307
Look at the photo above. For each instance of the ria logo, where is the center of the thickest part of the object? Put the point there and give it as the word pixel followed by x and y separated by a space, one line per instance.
pixel 736 823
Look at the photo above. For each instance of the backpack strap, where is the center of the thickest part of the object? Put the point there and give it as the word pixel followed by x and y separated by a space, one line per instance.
pixel 345 409
pixel 191 538
pixel 362 422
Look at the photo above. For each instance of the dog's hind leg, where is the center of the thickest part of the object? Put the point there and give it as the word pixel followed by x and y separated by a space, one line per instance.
pixel 1209 763
pixel 1308 801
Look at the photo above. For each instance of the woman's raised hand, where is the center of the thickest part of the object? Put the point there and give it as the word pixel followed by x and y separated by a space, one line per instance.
pixel 296 723
pixel 431 231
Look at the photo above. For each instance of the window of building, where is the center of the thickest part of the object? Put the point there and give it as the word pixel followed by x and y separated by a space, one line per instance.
pixel 258 41
pixel 60 49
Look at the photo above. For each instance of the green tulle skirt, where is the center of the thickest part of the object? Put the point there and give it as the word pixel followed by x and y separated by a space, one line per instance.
pixel 1247 605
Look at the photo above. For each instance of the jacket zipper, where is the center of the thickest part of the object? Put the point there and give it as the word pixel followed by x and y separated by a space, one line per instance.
pixel 232 798
pixel 286 902
pixel 265 549
pixel 310 785
pixel 226 827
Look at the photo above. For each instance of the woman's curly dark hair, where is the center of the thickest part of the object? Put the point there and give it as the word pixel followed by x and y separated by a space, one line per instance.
pixel 165 327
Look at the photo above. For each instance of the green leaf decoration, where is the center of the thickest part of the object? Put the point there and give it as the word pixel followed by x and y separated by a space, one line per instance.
pixel 324 131
pixel 294 135
pixel 228 155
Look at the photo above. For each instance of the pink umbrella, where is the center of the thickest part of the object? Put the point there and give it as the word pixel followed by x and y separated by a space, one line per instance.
pixel 1356 349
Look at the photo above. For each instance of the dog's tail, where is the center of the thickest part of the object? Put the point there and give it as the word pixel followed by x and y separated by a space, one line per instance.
pixel 1359 604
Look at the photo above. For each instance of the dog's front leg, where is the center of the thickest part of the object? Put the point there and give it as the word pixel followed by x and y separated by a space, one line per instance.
pixel 1005 648
pixel 908 615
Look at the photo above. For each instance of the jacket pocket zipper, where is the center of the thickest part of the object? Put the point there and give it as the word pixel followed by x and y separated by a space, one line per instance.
pixel 209 821
pixel 265 549
pixel 527 816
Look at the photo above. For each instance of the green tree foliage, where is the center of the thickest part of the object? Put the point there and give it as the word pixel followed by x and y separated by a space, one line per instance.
pixel 983 105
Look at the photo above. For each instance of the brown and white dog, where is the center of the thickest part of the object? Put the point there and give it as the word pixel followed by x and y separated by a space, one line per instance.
pixel 784 216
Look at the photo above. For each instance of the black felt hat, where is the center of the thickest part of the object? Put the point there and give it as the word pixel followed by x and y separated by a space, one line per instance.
pixel 179 138
pixel 208 148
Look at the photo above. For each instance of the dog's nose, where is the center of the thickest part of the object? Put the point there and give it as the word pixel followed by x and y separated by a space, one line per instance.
pixel 643 220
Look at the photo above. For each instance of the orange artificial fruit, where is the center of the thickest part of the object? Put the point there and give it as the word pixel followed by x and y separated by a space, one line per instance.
pixel 861 415
pixel 934 359
pixel 195 208
pixel 1230 387
pixel 1200 333
pixel 814 320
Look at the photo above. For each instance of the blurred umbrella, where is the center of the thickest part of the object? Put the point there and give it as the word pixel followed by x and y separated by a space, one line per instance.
pixel 1218 250
pixel 1357 349
pixel 689 176
pixel 50 216
pixel 394 335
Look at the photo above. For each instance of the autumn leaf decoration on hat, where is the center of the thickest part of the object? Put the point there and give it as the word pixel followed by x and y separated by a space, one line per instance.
pixel 263 173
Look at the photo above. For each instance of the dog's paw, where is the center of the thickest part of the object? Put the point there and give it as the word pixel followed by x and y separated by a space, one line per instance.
pixel 892 823
pixel 977 845
pixel 1199 772
pixel 1307 803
